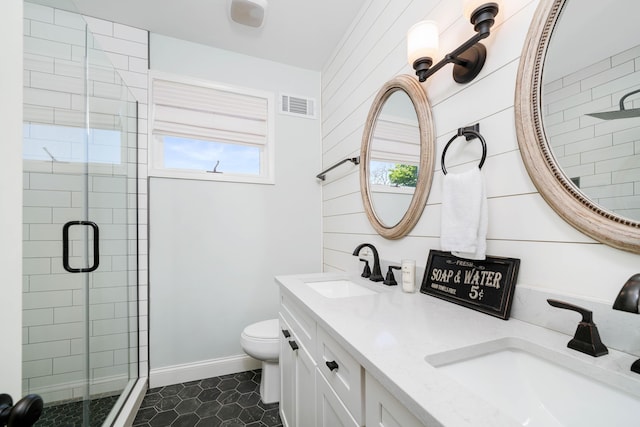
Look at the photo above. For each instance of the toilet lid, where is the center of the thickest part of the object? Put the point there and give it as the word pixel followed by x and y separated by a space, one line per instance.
pixel 267 329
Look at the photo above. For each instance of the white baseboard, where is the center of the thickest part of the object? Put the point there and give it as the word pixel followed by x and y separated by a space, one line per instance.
pixel 160 377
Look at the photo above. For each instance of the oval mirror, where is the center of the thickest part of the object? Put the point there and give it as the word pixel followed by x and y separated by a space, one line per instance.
pixel 577 115
pixel 397 157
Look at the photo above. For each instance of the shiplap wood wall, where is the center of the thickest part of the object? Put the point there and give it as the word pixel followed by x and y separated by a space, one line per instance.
pixel 554 255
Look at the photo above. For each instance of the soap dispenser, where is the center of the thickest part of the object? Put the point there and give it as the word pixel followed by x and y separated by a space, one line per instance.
pixel 409 275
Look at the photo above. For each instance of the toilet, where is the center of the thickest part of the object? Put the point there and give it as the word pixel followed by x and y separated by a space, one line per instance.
pixel 260 341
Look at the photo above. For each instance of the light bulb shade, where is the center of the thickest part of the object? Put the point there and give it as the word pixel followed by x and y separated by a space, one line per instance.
pixel 422 41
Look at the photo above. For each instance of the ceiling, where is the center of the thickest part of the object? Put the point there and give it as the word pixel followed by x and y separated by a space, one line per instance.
pixel 302 33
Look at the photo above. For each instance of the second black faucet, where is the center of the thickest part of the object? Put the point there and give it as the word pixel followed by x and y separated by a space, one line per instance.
pixel 586 339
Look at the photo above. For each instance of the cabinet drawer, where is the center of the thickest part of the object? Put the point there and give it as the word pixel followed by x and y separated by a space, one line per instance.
pixel 302 325
pixel 330 411
pixel 383 409
pixel 342 372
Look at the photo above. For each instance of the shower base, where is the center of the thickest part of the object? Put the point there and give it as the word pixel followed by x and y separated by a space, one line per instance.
pixel 70 414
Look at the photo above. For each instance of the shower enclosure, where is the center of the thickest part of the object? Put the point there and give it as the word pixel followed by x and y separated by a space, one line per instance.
pixel 80 253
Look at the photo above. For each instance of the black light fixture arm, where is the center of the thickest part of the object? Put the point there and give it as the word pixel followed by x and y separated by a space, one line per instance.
pixel 423 67
pixel 469 57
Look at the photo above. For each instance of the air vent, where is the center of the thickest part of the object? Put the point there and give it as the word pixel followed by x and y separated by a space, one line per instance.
pixel 297 106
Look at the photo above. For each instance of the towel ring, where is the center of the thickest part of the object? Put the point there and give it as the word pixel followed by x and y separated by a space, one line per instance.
pixel 469 134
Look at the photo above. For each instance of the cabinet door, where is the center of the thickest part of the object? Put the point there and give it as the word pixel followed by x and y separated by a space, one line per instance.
pixel 384 410
pixel 342 372
pixel 330 411
pixel 305 389
pixel 287 376
pixel 298 386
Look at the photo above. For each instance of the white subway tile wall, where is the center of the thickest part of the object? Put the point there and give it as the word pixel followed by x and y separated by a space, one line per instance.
pixel 601 156
pixel 54 184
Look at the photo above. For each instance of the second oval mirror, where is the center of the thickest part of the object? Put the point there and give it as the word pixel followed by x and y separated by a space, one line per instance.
pixel 397 157
pixel 577 116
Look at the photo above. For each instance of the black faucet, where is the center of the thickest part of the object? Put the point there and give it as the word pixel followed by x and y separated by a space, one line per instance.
pixel 366 272
pixel 376 274
pixel 627 300
pixel 390 280
pixel 586 339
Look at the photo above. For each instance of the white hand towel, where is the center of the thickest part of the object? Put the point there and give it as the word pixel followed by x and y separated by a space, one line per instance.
pixel 464 215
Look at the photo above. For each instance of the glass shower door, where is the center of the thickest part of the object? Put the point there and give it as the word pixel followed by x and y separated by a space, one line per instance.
pixel 112 203
pixel 80 233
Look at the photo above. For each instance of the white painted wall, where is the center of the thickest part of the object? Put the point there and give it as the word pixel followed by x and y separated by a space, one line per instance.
pixel 11 27
pixel 216 246
pixel 554 256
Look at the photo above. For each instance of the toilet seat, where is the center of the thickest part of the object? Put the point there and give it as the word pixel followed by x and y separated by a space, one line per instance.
pixel 260 340
pixel 267 330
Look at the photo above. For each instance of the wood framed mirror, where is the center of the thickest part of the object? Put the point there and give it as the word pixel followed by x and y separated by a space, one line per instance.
pixel 585 165
pixel 397 157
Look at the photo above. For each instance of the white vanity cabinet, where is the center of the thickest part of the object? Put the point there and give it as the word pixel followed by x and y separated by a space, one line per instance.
pixel 323 385
pixel 331 411
pixel 343 374
pixel 297 372
pixel 325 395
pixel 287 374
pixel 383 409
pixel 297 369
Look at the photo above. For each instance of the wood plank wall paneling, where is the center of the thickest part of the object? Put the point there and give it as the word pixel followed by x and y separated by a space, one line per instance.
pixel 554 255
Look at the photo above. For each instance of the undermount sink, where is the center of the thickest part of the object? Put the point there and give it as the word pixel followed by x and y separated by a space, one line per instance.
pixel 539 387
pixel 339 289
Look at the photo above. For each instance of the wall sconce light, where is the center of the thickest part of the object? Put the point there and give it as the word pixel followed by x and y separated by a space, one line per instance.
pixel 468 58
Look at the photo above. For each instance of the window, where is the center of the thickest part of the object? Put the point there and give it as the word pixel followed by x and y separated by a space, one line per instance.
pixel 72 144
pixel 204 130
pixel 392 174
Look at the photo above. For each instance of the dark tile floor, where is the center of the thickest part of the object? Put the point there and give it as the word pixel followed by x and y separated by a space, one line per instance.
pixel 70 414
pixel 227 401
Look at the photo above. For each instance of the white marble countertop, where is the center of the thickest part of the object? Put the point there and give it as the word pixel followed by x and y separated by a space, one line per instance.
pixel 391 332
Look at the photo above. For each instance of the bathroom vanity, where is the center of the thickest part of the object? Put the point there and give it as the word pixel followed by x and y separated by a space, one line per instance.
pixel 357 353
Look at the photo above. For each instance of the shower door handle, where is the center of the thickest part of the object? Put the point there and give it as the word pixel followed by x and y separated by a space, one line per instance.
pixel 65 247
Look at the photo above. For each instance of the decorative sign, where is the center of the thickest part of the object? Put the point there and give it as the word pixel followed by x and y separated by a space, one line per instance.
pixel 485 286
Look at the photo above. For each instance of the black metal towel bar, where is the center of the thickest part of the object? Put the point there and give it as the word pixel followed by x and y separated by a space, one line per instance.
pixel 354 160
pixel 469 132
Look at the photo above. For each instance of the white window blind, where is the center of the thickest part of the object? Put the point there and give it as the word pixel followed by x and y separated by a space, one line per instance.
pixel 203 112
pixel 205 130
pixel 395 141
